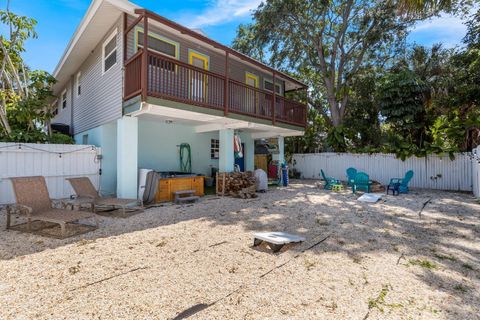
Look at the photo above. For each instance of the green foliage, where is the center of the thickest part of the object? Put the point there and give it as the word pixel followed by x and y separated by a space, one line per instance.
pixel 314 137
pixel 26 95
pixel 60 138
pixel 326 42
pixel 336 138
pixel 402 98
pixel 36 136
pixel 422 263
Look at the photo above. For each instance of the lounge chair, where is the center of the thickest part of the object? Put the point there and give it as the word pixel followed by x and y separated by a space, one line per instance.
pixel 329 181
pixel 84 188
pixel 400 185
pixel 351 172
pixel 33 200
pixel 361 181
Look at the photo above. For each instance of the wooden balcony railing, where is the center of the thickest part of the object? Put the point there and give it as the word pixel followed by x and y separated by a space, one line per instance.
pixel 133 74
pixel 174 80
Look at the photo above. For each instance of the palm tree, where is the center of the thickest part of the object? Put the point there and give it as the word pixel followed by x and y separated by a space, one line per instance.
pixel 424 6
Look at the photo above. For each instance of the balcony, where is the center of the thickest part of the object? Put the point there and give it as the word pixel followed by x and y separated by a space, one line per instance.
pixel 151 74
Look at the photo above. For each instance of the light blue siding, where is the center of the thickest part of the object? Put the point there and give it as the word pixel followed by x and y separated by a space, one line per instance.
pixel 158 146
pixel 105 137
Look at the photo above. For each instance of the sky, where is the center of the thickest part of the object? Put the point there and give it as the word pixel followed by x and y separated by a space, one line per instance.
pixel 219 19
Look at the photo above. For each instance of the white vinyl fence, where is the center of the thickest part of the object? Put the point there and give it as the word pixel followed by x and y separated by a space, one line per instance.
pixel 431 172
pixel 53 161
pixel 476 171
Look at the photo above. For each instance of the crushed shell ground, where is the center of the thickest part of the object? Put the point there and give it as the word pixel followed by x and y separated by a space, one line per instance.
pixel 388 260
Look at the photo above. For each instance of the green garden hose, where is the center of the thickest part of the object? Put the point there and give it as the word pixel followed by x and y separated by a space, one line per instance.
pixel 185 158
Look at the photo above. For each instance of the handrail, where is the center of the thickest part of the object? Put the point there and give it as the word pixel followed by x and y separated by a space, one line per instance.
pixel 176 85
pixel 183 64
pixel 138 53
pixel 251 88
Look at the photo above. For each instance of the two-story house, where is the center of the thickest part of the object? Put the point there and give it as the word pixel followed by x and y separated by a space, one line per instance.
pixel 138 85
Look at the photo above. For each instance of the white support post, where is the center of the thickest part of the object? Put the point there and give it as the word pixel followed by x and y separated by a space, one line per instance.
pixel 249 152
pixel 226 159
pixel 127 157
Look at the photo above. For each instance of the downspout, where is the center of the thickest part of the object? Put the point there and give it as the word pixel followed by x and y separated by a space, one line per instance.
pixel 72 98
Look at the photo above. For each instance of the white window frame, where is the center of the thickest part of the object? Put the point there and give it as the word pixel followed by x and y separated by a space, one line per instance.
pixel 64 93
pixel 276 84
pixel 78 84
pixel 214 149
pixel 110 37
pixel 55 107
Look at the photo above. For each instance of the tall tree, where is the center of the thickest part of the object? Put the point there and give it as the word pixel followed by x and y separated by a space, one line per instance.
pixel 325 41
pixel 25 95
pixel 13 76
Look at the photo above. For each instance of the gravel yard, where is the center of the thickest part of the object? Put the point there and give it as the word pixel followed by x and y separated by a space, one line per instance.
pixel 377 261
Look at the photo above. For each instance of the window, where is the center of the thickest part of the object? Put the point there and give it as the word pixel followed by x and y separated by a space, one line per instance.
pixel 79 83
pixel 161 45
pixel 214 148
pixel 268 85
pixel 54 107
pixel 158 43
pixel 64 99
pixel 85 139
pixel 109 52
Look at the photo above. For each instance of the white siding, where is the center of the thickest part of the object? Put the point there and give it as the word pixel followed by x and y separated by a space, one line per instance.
pixel 44 160
pixel 100 101
pixel 64 115
pixel 432 172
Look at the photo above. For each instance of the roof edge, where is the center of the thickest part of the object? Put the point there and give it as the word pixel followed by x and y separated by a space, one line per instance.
pixel 123 5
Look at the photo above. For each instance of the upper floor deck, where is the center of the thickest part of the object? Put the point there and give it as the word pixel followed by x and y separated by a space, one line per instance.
pixel 165 60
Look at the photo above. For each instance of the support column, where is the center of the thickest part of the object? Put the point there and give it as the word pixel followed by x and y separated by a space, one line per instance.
pixel 127 157
pixel 226 159
pixel 281 150
pixel 248 151
pixel 281 153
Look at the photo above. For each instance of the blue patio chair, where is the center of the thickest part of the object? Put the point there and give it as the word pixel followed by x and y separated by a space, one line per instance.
pixel 329 181
pixel 361 181
pixel 351 172
pixel 400 185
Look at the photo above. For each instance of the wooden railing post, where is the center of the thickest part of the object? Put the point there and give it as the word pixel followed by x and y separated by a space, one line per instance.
pixel 226 96
pixel 144 72
pixel 273 100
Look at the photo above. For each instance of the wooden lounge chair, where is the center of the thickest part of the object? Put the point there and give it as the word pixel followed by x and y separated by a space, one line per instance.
pixel 33 200
pixel 84 188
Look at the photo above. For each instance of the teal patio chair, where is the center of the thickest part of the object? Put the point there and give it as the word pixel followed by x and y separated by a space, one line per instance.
pixel 351 173
pixel 329 181
pixel 361 181
pixel 400 185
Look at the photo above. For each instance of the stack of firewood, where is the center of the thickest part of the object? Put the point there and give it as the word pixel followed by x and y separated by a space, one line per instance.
pixel 236 184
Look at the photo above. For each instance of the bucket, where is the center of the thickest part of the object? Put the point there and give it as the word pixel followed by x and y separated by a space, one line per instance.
pixel 209 181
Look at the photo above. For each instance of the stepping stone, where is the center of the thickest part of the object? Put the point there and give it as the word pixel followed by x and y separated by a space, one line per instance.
pixel 276 240
pixel 185 196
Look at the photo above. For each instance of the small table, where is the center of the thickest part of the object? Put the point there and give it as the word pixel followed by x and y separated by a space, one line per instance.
pixel 276 240
pixel 71 203
pixel 337 187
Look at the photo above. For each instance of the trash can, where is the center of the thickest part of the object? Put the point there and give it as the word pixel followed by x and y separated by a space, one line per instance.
pixel 285 175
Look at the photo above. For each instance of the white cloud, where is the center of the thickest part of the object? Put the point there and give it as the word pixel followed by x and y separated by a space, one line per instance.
pixel 222 11
pixel 444 22
pixel 446 29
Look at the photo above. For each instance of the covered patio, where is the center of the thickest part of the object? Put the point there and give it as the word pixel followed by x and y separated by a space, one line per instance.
pixel 149 136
